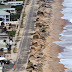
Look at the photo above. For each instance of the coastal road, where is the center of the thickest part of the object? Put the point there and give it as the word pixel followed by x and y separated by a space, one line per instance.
pixel 22 59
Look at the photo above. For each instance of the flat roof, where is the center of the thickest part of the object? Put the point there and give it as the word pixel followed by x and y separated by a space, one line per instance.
pixel 1 9
pixel 8 8
pixel 15 2
pixel 4 13
pixel 5 6
pixel 1 52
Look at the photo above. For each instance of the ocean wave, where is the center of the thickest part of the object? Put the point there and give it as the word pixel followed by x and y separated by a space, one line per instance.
pixel 66 37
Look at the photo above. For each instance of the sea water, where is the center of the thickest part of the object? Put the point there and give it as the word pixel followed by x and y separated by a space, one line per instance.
pixel 66 37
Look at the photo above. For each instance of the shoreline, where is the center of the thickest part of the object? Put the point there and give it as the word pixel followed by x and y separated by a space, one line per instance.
pixel 54 49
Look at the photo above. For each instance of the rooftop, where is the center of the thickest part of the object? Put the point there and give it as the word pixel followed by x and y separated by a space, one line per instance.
pixel 5 6
pixel 8 8
pixel 15 2
pixel 4 12
pixel 1 52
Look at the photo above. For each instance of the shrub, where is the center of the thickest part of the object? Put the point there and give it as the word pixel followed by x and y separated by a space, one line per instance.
pixel 15 50
pixel 11 33
pixel 40 13
pixel 35 37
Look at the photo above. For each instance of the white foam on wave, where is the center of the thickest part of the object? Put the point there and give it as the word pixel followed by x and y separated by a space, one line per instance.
pixel 67 1
pixel 67 32
pixel 66 10
pixel 67 4
pixel 63 56
pixel 67 63
pixel 63 43
pixel 66 38
pixel 68 17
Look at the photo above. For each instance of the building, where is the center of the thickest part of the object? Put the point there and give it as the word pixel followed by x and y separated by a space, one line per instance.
pixel 4 16
pixel 1 69
pixel 5 50
pixel 1 1
pixel 13 3
pixel 11 10
pixel 2 29
pixel 11 0
pixel 3 34
pixel 5 6
pixel 1 54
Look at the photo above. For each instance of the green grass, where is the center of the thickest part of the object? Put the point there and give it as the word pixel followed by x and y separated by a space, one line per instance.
pixel 11 33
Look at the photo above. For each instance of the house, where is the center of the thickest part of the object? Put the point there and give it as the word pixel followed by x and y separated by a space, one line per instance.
pixel 4 39
pixel 1 69
pixel 2 29
pixel 3 47
pixel 5 50
pixel 3 36
pixel 11 10
pixel 5 6
pixel 1 1
pixel 11 0
pixel 1 54
pixel 13 3
pixel 5 16
pixel 2 44
pixel 12 22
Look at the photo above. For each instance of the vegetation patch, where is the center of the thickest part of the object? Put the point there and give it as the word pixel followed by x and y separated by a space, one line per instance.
pixel 16 16
pixel 11 33
pixel 40 13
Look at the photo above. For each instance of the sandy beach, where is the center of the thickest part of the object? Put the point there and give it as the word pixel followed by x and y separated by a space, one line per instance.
pixel 44 52
pixel 51 63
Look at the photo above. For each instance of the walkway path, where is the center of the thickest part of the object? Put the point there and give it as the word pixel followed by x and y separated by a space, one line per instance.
pixel 26 40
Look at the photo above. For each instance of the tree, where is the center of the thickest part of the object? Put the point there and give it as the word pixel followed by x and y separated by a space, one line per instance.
pixel 14 17
pixel 1 19
pixel 2 24
pixel 5 29
pixel 8 11
pixel 19 8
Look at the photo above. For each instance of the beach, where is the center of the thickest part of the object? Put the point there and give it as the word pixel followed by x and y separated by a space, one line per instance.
pixel 51 63
pixel 48 60
pixel 66 37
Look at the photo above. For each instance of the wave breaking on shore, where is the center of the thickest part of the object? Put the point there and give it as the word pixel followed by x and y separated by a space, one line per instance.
pixel 66 37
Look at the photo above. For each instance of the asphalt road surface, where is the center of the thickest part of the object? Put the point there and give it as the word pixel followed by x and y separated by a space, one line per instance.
pixel 26 41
